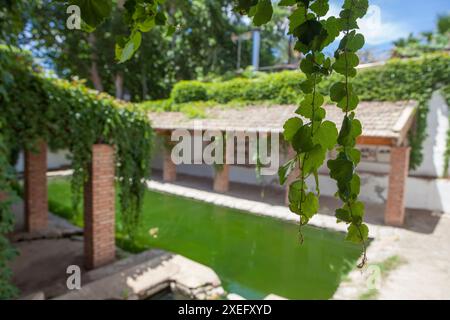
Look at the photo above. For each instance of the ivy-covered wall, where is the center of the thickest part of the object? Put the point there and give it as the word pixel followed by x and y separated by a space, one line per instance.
pixel 69 116
pixel 414 79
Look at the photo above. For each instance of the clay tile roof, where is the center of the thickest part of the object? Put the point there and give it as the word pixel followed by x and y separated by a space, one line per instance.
pixel 380 120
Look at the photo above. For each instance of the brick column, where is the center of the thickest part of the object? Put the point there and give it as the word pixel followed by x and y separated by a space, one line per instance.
pixel 221 179
pixel 169 168
pixel 395 206
pixel 36 205
pixel 99 209
pixel 294 174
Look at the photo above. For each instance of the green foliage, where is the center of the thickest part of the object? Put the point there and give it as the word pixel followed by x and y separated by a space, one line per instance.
pixel 426 42
pixel 200 48
pixel 139 16
pixel 312 139
pixel 11 22
pixel 69 115
pixel 185 91
pixel 7 253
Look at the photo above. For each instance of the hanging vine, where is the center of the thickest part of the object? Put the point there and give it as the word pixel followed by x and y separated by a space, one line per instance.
pixel 309 135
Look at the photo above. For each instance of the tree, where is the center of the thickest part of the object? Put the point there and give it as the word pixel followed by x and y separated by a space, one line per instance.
pixel 426 42
pixel 200 46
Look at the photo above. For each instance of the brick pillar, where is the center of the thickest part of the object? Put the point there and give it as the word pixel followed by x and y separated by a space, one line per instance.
pixel 294 174
pixel 169 168
pixel 99 209
pixel 395 206
pixel 221 179
pixel 36 205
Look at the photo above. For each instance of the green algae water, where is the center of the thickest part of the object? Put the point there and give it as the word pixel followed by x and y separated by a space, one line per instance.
pixel 254 256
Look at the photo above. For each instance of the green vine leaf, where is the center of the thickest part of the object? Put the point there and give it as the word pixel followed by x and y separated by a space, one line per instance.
pixel 326 135
pixel 315 159
pixel 345 64
pixel 310 205
pixel 341 169
pixel 357 234
pixel 302 141
pixel 314 138
pixel 310 106
pixel 263 12
pixel 291 127
pixel 320 7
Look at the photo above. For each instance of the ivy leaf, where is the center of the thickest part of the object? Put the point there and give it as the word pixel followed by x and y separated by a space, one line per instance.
pixel 285 170
pixel 146 25
pixel 309 35
pixel 307 86
pixel 291 127
pixel 297 18
pixel 349 102
pixel 315 159
pixel 263 13
pixel 302 141
pixel 352 42
pixel 338 91
pixel 345 64
pixel 348 20
pixel 357 211
pixel 310 206
pixel 326 135
pixel 332 25
pixel 310 104
pixel 359 7
pixel 93 12
pixel 341 170
pixel 355 156
pixel 320 7
pixel 296 189
pixel 343 215
pixel 350 130
pixel 357 234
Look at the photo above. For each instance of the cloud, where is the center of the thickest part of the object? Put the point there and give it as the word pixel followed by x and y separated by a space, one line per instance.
pixel 376 30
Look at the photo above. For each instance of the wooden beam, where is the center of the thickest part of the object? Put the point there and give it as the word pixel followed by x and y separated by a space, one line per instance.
pixel 378 141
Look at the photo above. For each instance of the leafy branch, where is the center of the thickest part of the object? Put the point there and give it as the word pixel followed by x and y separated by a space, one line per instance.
pixel 314 139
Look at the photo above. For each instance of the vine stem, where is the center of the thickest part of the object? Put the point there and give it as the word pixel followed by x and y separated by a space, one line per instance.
pixel 301 195
pixel 364 259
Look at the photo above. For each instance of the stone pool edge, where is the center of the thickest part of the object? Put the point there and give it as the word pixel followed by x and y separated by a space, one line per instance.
pixel 282 213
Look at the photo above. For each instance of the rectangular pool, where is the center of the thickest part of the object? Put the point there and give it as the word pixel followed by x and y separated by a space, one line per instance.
pixel 253 255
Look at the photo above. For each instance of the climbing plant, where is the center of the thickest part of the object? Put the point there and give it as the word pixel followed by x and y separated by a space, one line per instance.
pixel 309 135
pixel 70 116
pixel 6 224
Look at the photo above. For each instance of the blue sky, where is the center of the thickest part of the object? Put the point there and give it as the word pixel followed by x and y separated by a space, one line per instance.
pixel 388 20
